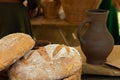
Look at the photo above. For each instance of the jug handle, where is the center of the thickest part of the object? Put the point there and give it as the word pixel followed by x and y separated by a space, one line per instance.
pixel 88 20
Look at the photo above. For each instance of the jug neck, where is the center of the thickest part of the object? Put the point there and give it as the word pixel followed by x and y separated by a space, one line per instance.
pixel 98 15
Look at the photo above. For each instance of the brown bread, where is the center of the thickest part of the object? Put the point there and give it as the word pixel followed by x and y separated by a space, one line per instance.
pixel 13 47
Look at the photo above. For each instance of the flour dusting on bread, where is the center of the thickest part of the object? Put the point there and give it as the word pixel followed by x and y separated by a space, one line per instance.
pixel 50 62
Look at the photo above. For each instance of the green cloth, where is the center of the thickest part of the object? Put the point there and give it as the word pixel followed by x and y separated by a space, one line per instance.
pixel 14 17
pixel 112 22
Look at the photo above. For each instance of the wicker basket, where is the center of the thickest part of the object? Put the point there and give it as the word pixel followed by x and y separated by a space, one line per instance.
pixel 51 9
pixel 75 9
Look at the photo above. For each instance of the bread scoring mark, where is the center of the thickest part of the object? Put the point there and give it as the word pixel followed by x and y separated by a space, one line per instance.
pixel 42 51
pixel 57 49
pixel 67 49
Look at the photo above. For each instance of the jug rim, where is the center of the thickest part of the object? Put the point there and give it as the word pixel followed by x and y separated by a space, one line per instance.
pixel 97 11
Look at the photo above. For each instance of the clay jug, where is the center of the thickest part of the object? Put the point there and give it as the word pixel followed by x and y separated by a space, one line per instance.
pixel 96 42
pixel 40 43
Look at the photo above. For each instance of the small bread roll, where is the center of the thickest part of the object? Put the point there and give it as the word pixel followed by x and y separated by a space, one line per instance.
pixel 51 62
pixel 13 47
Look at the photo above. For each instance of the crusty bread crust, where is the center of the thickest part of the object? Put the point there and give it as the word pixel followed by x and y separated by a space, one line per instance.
pixel 51 62
pixel 14 46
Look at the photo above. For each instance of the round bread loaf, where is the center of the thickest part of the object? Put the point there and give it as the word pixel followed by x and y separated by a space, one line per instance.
pixel 13 47
pixel 51 62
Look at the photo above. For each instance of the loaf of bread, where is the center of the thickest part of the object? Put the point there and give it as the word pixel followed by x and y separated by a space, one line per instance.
pixel 13 47
pixel 51 62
